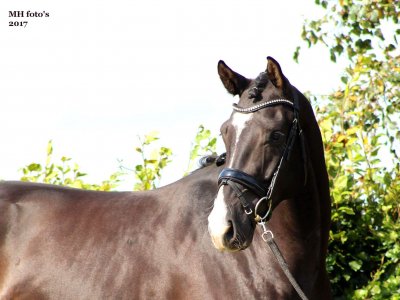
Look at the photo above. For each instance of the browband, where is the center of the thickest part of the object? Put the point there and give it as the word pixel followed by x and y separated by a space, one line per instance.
pixel 261 105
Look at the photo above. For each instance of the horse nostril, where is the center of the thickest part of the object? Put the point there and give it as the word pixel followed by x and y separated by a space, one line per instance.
pixel 230 233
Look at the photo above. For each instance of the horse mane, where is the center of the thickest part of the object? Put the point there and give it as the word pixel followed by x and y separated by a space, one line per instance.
pixel 208 160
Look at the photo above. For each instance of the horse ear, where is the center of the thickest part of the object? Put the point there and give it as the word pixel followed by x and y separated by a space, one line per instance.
pixel 275 74
pixel 233 82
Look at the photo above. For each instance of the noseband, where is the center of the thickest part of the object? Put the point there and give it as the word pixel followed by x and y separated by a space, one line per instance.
pixel 237 179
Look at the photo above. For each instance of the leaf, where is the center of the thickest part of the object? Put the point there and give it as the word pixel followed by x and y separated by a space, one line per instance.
pixel 393 236
pixel 375 290
pixel 151 137
pixel 49 147
pixel 34 167
pixel 355 265
pixel 346 210
pixel 361 294
pixel 341 182
pixel 212 143
pixel 353 130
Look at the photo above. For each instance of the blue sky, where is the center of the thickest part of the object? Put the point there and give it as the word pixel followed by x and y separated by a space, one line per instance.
pixel 96 74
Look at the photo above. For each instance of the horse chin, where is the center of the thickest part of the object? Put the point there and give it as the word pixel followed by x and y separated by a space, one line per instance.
pixel 224 244
pixel 237 248
pixel 229 248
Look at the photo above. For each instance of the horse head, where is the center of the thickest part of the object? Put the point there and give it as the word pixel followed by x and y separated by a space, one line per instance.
pixel 266 156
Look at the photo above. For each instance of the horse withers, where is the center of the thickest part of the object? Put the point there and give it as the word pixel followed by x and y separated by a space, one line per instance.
pixel 64 243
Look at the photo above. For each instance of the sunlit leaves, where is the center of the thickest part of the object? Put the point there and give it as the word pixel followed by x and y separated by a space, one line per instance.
pixel 348 26
pixel 148 171
pixel 64 172
pixel 360 126
pixel 204 144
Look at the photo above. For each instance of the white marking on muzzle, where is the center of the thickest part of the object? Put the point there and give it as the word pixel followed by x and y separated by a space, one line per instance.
pixel 217 223
pixel 239 122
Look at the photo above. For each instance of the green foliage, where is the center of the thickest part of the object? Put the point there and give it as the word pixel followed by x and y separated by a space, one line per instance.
pixel 359 123
pixel 148 172
pixel 355 27
pixel 204 144
pixel 364 248
pixel 64 173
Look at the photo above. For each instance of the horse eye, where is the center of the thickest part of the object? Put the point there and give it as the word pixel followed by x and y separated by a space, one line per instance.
pixel 277 136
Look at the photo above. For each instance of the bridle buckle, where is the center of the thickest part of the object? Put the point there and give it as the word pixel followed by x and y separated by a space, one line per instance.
pixel 248 211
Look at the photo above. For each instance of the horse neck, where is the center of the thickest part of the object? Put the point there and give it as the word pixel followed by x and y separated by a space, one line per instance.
pixel 308 213
pixel 194 192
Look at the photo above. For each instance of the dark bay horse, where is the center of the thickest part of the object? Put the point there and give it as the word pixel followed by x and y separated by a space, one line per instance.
pixel 64 243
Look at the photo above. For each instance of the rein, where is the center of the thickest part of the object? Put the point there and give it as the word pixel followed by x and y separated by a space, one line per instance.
pixel 236 178
pixel 268 237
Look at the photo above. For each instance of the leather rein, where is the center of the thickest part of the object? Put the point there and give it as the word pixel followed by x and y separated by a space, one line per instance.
pixel 237 179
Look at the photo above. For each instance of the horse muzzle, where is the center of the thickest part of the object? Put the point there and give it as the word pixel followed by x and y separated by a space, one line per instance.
pixel 229 232
pixel 229 240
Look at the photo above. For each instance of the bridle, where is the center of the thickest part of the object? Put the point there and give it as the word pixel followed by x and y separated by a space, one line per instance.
pixel 237 179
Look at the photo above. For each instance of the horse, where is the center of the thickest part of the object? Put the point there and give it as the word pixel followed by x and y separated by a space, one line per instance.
pixel 65 243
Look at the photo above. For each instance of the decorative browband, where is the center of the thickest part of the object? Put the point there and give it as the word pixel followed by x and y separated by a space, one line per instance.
pixel 261 105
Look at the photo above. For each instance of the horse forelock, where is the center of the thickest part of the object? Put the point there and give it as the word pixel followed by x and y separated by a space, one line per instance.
pixel 259 85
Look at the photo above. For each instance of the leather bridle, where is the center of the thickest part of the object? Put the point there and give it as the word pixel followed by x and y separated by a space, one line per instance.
pixel 241 182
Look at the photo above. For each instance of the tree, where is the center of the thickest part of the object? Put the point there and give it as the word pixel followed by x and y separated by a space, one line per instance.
pixel 65 173
pixel 359 124
pixel 147 172
pixel 204 144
